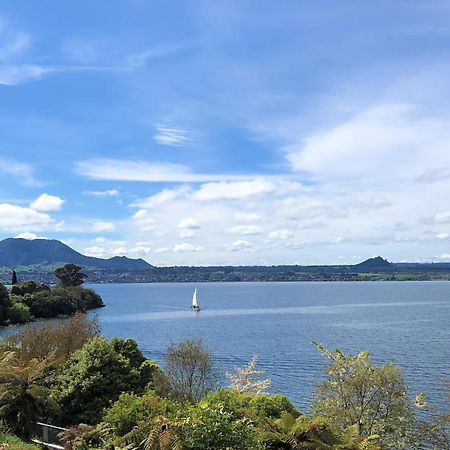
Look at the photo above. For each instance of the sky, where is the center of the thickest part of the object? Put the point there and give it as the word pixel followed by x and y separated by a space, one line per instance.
pixel 239 132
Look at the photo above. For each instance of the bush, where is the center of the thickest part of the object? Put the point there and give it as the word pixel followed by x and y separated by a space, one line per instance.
pixel 128 410
pixel 272 405
pixel 19 313
pixel 93 377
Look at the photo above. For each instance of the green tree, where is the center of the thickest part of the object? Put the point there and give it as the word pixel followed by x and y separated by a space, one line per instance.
pixel 19 313
pixel 23 398
pixel 189 370
pixel 70 275
pixel 4 304
pixel 92 378
pixel 374 398
pixel 14 278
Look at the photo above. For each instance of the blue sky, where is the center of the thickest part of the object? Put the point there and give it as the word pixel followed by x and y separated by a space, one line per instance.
pixel 250 132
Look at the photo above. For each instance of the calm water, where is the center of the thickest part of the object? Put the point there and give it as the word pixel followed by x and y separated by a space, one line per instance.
pixel 404 322
pixel 408 323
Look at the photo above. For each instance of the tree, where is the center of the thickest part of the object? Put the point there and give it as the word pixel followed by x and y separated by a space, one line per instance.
pixel 93 377
pixel 247 379
pixel 159 433
pixel 4 304
pixel 189 370
pixel 315 433
pixel 60 339
pixel 23 399
pixel 434 432
pixel 70 275
pixel 373 398
pixel 14 278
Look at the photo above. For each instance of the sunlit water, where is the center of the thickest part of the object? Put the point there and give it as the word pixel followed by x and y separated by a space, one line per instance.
pixel 404 322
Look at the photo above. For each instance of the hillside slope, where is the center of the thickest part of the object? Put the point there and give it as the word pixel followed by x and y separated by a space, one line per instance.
pixel 23 252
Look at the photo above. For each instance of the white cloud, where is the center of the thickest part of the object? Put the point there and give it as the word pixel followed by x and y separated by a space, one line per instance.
pixel 162 197
pixel 13 217
pixel 97 252
pixel 124 170
pixel 186 234
pixel 234 190
pixel 240 246
pixel 100 226
pixel 29 236
pixel 107 193
pixel 186 247
pixel 375 143
pixel 11 75
pixel 247 217
pixel 438 218
pixel 188 224
pixel 23 172
pixel 140 214
pixel 46 202
pixel 166 135
pixel 161 250
pixel 280 234
pixel 250 230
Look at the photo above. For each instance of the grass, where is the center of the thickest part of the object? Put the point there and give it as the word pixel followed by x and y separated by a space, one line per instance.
pixel 15 443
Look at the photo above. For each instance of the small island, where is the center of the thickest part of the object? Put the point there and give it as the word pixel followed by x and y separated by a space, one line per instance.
pixel 30 300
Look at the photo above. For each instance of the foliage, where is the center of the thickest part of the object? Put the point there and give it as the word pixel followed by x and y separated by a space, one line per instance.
pixel 4 304
pixel 59 339
pixel 80 437
pixel 247 379
pixel 93 377
pixel 19 313
pixel 23 399
pixel 434 433
pixel 70 275
pixel 215 426
pixel 28 287
pixel 272 406
pixel 160 433
pixel 189 370
pixel 374 398
pixel 30 299
pixel 128 410
pixel 14 278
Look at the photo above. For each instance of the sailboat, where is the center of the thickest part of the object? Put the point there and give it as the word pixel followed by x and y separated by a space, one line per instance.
pixel 195 306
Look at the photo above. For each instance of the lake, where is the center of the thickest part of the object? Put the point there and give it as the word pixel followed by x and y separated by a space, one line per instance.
pixel 404 322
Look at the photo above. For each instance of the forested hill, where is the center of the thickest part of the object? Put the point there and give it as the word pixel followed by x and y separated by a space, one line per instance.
pixel 15 253
pixel 37 260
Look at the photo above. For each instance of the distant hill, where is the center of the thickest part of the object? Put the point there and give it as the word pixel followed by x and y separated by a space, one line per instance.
pixel 23 252
pixel 376 263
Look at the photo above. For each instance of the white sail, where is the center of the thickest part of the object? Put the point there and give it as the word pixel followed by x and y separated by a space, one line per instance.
pixel 194 300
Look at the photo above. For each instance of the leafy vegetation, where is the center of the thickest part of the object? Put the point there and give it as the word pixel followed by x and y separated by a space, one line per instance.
pixel 108 395
pixel 28 300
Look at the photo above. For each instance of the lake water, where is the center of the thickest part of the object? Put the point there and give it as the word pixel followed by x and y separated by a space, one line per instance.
pixel 404 322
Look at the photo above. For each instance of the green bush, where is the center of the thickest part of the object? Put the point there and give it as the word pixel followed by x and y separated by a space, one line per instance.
pixel 130 409
pixel 272 405
pixel 19 313
pixel 95 376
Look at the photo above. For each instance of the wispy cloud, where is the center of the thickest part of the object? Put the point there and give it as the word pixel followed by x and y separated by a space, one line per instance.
pixel 124 170
pixel 107 193
pixel 171 136
pixel 23 172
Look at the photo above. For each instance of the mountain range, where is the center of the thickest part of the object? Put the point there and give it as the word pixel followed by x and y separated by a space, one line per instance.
pixel 16 252
pixel 37 259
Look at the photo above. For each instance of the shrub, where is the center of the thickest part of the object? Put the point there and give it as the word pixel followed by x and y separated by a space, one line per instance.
pixel 19 313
